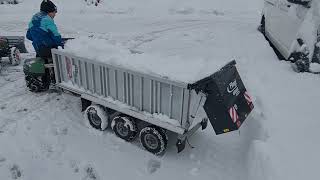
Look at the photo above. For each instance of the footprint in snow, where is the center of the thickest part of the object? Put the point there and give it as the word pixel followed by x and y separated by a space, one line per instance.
pixel 194 171
pixel 15 172
pixel 23 110
pixel 153 166
pixel 90 174
pixel 2 160
pixel 59 131
pixel 75 166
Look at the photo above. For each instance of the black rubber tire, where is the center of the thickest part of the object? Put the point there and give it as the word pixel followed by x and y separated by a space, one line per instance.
pixel 94 117
pixel 154 139
pixel 124 127
pixel 35 84
pixel 14 56
pixel 34 88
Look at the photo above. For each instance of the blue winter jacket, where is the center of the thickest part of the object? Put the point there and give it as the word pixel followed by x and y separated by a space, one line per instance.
pixel 43 32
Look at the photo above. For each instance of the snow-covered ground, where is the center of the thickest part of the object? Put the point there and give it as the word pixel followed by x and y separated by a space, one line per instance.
pixel 44 136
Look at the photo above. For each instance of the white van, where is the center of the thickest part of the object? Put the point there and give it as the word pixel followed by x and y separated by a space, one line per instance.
pixel 293 29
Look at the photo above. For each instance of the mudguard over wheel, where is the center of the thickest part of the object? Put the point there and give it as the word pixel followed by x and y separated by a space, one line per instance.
pixel 153 139
pixel 124 127
pixel 97 117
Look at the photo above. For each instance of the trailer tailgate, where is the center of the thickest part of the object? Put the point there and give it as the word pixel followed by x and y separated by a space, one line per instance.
pixel 228 103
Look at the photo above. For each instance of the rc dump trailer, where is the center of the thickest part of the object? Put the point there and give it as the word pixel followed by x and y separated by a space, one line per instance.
pixel 134 103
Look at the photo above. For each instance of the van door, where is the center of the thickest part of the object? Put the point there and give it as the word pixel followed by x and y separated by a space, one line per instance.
pixel 274 24
pixel 289 19
pixel 271 15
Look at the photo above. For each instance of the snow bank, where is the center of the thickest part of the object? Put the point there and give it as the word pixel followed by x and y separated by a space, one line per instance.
pixel 174 67
pixel 315 67
pixel 260 164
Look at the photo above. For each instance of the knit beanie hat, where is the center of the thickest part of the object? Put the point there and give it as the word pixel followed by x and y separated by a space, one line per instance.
pixel 48 6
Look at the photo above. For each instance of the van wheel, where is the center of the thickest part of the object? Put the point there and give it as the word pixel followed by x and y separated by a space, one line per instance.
pixel 124 127
pixel 153 139
pixel 97 117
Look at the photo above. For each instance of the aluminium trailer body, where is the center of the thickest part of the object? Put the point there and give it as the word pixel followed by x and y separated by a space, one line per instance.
pixel 155 101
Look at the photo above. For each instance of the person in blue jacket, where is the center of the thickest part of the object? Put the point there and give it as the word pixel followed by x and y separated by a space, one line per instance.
pixel 43 32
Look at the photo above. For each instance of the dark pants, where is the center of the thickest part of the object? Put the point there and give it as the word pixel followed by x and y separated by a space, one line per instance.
pixel 45 53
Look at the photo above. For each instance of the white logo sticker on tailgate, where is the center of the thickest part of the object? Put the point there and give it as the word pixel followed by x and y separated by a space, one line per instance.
pixel 233 88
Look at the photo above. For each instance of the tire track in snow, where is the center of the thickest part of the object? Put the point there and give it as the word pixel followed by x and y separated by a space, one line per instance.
pixel 140 40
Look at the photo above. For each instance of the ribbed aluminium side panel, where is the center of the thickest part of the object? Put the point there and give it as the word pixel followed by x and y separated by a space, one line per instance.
pixel 80 80
pixel 61 69
pixel 57 68
pixel 112 83
pixel 176 105
pixel 146 95
pixel 73 71
pixel 119 85
pixel 165 99
pixel 143 92
pixel 85 73
pixel 137 91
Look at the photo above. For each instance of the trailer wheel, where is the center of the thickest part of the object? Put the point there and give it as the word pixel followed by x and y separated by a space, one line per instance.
pixel 15 56
pixel 36 84
pixel 124 127
pixel 97 117
pixel 153 139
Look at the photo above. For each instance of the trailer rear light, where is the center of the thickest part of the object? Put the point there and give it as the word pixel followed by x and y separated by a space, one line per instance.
pixel 234 116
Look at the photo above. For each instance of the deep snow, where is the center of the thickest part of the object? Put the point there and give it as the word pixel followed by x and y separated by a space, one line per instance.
pixel 44 136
